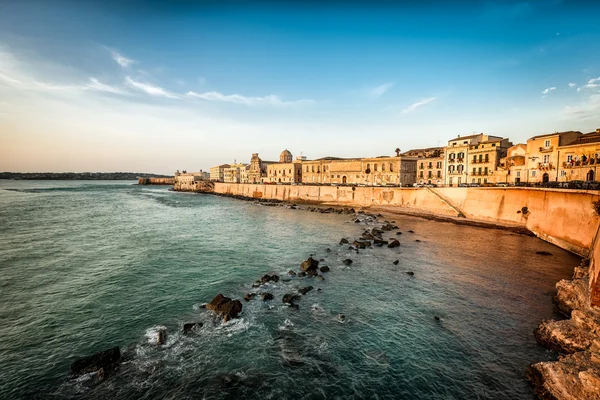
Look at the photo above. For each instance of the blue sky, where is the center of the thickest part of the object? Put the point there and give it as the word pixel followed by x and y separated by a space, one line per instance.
pixel 158 86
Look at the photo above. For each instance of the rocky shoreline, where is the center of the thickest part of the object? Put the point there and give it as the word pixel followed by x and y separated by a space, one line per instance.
pixel 576 373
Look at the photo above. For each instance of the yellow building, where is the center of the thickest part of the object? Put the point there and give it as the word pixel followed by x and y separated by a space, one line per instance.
pixel 430 166
pixel 233 174
pixel 286 170
pixel 257 173
pixel 217 173
pixel 543 156
pixel 579 159
pixel 512 167
pixel 485 159
pixel 457 157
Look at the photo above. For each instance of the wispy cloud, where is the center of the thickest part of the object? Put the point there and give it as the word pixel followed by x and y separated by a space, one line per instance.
pixel 121 59
pixel 571 84
pixel 592 83
pixel 418 104
pixel 548 90
pixel 149 88
pixel 269 100
pixel 587 110
pixel 378 91
pixel 94 84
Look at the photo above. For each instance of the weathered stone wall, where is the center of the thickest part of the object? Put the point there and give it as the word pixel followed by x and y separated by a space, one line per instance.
pixel 156 181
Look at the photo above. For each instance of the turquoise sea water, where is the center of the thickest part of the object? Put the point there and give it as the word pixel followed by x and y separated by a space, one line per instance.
pixel 85 266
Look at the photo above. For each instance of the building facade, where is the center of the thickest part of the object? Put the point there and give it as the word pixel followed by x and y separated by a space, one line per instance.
pixel 286 170
pixel 457 157
pixel 233 174
pixel 485 160
pixel 431 167
pixel 579 159
pixel 543 155
pixel 513 166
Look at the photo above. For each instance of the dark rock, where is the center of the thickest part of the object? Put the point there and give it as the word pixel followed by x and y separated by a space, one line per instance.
pixel 324 268
pixel 361 244
pixel 347 261
pixel 309 264
pixel 319 289
pixel 290 298
pixel 290 272
pixel 417 240
pixel 393 243
pixel 305 290
pixel 376 232
pixel 302 274
pixel 106 360
pixel 249 296
pixel 312 272
pixel 341 318
pixel 411 231
pixel 225 307
pixel 396 262
pixel 275 278
pixel 380 242
pixel 321 260
pixel 328 250
pixel 436 318
pixel 410 273
pixel 162 336
pixel 266 296
pixel 190 326
pixel 357 221
pixel 398 233
pixel 256 284
pixel 543 253
pixel 367 236
pixel 320 277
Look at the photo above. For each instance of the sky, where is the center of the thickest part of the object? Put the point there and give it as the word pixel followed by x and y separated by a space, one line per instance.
pixel 156 86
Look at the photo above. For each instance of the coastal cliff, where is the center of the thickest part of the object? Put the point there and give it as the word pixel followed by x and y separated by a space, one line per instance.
pixel 576 374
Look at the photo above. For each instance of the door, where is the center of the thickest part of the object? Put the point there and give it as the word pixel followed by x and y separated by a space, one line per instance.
pixel 546 178
pixel 590 175
pixel 344 180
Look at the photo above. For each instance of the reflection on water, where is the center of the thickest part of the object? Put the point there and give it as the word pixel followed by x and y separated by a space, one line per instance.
pixel 86 266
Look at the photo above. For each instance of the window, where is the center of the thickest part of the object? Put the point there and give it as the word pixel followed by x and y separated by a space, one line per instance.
pixel 313 168
pixel 420 174
pixel 318 170
pixel 439 164
pixel 391 167
pixel 493 144
pixel 439 174
pixel 533 173
pixel 569 158
pixel 466 142
pixel 480 158
pixel 518 174
pixel 547 143
pixel 563 173
pixel 474 171
pixel 461 155
pixel 375 167
pixel 307 168
pixel 422 166
pixel 485 171
pixel 546 158
pixel 450 181
pixel 461 168
pixel 484 180
pixel 382 167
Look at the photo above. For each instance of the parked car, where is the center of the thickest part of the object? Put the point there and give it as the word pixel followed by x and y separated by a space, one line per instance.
pixel 575 185
pixel 463 185
pixel 502 184
pixel 591 185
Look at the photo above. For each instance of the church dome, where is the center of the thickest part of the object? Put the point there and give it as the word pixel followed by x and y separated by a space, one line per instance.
pixel 285 157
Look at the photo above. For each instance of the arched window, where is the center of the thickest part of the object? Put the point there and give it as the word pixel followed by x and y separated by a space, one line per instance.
pixel 313 168
pixel 391 167
pixel 382 167
pixel 318 170
pixel 368 166
pixel 307 168
pixel 375 167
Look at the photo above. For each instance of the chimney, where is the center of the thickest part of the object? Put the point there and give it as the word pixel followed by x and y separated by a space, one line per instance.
pixel 598 130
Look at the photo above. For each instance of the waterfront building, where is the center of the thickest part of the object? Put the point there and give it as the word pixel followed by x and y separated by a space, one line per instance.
pixel 188 178
pixel 430 165
pixel 457 157
pixel 257 173
pixel 286 170
pixel 217 173
pixel 578 160
pixel 485 159
pixel 233 174
pixel 543 156
pixel 513 166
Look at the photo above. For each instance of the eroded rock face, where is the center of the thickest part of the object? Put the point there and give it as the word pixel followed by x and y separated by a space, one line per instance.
pixel 393 243
pixel 309 264
pixel 572 295
pixel 563 336
pixel 104 360
pixel 225 307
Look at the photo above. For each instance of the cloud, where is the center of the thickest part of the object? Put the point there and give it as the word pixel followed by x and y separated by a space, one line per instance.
pixel 378 91
pixel 586 110
pixel 548 90
pixel 269 100
pixel 418 104
pixel 592 83
pixel 101 87
pixel 121 59
pixel 149 88
pixel 571 84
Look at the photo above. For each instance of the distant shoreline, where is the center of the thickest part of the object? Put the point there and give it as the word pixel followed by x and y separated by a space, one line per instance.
pixel 78 176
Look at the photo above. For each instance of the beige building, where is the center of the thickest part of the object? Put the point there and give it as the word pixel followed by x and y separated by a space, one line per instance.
pixel 543 156
pixel 457 157
pixel 286 170
pixel 188 178
pixel 485 159
pixel 377 171
pixel 578 160
pixel 217 173
pixel 430 168
pixel 512 167
pixel 258 170
pixel 233 174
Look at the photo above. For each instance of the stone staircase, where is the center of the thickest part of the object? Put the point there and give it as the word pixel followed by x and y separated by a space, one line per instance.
pixel 447 202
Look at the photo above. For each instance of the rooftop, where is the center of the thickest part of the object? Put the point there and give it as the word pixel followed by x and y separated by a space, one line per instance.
pixel 553 134
pixel 592 137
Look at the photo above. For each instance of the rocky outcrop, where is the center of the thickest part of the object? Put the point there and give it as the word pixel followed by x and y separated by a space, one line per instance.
pixel 225 307
pixel 106 360
pixel 305 290
pixel 393 243
pixel 576 374
pixel 191 326
pixel 309 265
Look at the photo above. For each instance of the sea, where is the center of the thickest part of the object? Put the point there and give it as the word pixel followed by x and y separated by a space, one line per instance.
pixel 88 265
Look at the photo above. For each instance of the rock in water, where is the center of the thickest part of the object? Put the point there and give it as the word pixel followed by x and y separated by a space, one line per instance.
pixel 309 264
pixel 398 233
pixel 361 244
pixel 249 296
pixel 347 261
pixel 225 307
pixel 410 273
pixel 190 326
pixel 290 272
pixel 105 360
pixel 290 298
pixel 324 268
pixel 266 296
pixel 393 243
pixel 379 242
pixel 396 262
pixel 162 337
pixel 344 241
pixel 305 290
pixel 411 231
pixel 341 318
pixel 436 318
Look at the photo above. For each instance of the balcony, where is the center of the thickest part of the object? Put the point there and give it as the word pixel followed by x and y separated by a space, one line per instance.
pixel 460 160
pixel 545 166
pixel 575 164
pixel 546 149
pixel 456 172
pixel 451 160
pixel 480 161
